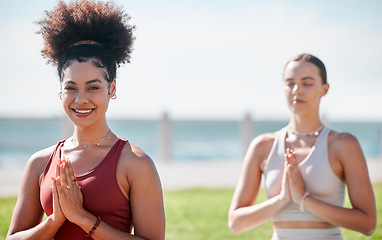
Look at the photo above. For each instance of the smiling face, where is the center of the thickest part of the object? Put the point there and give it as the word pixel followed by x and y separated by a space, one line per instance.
pixel 303 87
pixel 85 93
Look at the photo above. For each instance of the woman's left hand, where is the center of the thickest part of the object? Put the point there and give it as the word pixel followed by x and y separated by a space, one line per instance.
pixel 69 192
pixel 296 182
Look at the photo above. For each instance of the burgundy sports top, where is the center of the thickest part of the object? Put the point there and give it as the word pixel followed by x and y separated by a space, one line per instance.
pixel 101 193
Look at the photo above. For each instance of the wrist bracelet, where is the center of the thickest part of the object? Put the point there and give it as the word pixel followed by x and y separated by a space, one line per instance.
pixel 94 227
pixel 302 209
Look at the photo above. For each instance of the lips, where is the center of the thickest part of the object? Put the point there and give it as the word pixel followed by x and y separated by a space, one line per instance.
pixel 297 101
pixel 82 112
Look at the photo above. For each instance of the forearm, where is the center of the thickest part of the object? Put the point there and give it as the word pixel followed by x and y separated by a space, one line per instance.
pixel 354 219
pixel 45 230
pixel 103 230
pixel 246 218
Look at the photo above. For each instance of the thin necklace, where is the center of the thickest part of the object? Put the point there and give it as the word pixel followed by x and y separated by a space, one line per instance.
pixel 298 134
pixel 98 141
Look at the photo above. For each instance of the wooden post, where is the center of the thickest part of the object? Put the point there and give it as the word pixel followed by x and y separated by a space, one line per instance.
pixel 246 132
pixel 380 142
pixel 164 151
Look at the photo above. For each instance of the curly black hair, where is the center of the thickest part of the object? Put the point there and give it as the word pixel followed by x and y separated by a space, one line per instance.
pixel 103 23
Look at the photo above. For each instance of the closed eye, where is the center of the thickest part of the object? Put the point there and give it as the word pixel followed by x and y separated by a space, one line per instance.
pixel 290 84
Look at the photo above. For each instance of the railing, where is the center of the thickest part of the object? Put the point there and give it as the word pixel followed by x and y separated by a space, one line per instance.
pixel 169 140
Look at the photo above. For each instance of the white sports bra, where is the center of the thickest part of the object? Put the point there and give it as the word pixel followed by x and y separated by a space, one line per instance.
pixel 316 171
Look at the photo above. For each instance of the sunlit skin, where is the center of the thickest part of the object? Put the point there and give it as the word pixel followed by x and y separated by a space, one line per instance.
pixel 303 88
pixel 85 98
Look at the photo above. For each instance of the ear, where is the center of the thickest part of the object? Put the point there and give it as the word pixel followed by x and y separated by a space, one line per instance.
pixel 113 88
pixel 60 93
pixel 325 89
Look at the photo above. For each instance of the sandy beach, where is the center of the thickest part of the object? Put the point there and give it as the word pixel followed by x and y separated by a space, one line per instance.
pixel 176 175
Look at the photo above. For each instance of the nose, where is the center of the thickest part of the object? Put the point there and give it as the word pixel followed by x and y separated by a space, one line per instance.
pixel 81 98
pixel 296 89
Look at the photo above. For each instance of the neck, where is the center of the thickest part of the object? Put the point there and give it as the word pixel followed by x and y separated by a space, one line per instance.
pixel 304 124
pixel 91 133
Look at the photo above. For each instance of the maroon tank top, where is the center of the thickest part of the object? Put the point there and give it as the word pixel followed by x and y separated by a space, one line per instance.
pixel 102 194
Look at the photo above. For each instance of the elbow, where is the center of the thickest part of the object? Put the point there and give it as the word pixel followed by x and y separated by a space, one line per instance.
pixel 235 230
pixel 9 236
pixel 370 227
pixel 369 232
pixel 233 226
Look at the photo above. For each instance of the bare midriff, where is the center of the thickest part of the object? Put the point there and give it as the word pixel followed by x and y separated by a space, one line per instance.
pixel 303 224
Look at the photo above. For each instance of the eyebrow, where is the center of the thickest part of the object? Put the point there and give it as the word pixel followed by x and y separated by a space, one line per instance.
pixel 87 82
pixel 308 78
pixel 304 78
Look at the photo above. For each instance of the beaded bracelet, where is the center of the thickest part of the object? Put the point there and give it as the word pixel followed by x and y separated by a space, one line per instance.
pixel 302 209
pixel 94 227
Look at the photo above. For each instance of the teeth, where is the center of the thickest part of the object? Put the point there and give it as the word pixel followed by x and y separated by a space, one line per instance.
pixel 83 111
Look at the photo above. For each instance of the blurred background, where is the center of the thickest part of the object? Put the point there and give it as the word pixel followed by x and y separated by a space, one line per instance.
pixel 205 76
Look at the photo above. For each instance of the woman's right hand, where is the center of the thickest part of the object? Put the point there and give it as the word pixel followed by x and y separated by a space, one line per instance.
pixel 57 216
pixel 285 194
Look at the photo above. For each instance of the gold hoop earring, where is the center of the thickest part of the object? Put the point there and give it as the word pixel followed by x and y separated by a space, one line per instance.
pixel 114 96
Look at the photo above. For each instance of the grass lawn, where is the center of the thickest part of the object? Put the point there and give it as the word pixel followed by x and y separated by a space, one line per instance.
pixel 202 214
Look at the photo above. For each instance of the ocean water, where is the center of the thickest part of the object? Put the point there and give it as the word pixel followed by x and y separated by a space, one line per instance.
pixel 190 140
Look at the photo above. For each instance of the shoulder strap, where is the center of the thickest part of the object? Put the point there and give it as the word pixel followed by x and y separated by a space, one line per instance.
pixel 54 152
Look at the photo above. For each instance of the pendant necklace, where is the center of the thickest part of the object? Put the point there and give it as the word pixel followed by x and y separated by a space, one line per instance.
pixel 315 132
pixel 98 141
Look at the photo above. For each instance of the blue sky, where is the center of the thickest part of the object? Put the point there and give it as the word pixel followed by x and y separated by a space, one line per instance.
pixel 210 59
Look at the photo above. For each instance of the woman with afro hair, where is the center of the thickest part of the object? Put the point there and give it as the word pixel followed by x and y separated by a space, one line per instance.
pixel 95 184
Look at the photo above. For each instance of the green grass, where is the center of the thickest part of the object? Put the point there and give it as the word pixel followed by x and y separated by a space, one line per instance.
pixel 6 209
pixel 202 214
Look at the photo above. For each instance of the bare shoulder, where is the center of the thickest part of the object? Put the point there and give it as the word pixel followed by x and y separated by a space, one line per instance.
pixel 262 144
pixel 341 138
pixel 264 140
pixel 135 161
pixel 38 161
pixel 28 211
pixel 345 150
pixel 135 155
pixel 340 141
pixel 254 163
pixel 259 150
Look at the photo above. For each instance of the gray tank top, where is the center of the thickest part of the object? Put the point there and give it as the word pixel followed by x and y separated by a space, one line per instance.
pixel 316 171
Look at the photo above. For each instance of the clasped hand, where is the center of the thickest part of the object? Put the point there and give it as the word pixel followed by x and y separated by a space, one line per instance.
pixel 67 195
pixel 293 186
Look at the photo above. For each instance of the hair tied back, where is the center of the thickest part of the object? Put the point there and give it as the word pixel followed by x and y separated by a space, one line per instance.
pixel 86 42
